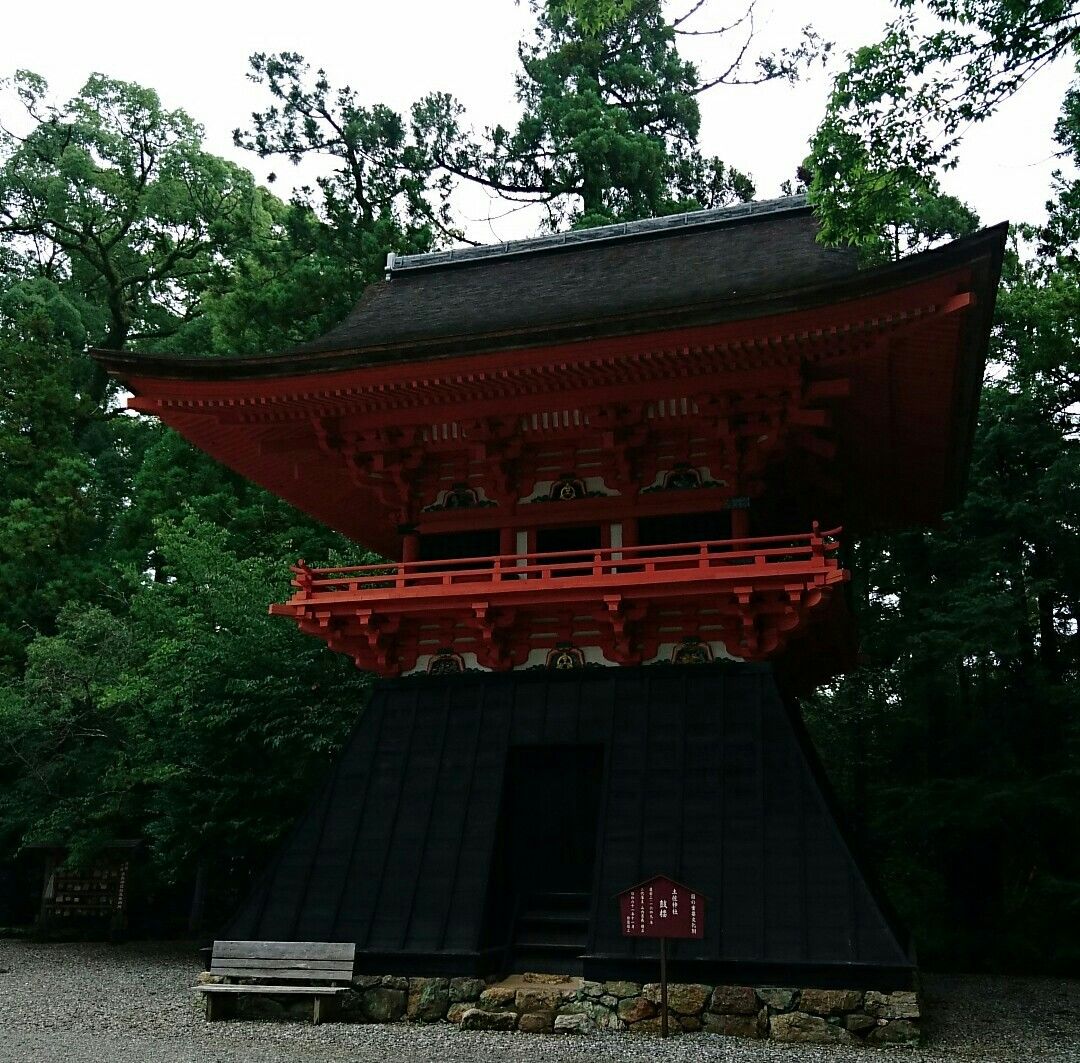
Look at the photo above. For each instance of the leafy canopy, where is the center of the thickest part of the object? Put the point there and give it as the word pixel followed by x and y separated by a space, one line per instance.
pixel 897 114
pixel 610 116
pixel 113 195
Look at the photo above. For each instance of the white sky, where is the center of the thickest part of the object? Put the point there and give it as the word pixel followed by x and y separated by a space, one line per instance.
pixel 195 55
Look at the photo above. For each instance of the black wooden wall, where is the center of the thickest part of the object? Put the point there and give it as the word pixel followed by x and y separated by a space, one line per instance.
pixel 708 778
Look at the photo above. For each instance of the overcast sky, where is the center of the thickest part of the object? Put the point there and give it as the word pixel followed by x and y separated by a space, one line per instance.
pixel 195 55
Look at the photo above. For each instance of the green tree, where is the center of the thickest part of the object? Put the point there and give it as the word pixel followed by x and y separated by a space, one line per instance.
pixel 897 114
pixel 957 745
pixel 181 714
pixel 114 197
pixel 610 116
pixel 115 227
pixel 380 194
pixel 55 499
pixel 141 682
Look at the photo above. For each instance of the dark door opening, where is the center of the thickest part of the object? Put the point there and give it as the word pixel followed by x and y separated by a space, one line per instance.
pixel 583 537
pixel 541 889
pixel 684 528
pixel 449 546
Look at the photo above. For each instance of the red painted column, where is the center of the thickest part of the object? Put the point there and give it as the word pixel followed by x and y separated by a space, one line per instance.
pixel 410 547
pixel 507 541
pixel 740 524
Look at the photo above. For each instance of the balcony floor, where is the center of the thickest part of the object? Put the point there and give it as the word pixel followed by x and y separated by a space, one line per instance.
pixel 741 598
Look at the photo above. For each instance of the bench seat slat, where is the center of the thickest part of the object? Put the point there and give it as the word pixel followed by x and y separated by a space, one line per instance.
pixel 287 950
pixel 299 976
pixel 273 990
pixel 282 965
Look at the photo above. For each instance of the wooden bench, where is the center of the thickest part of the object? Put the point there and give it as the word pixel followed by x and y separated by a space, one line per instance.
pixel 320 962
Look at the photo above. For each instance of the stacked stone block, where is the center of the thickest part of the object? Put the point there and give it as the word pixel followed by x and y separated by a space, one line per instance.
pixel 811 1016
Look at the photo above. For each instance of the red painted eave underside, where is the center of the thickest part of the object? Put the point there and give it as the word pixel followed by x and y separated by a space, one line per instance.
pixel 904 367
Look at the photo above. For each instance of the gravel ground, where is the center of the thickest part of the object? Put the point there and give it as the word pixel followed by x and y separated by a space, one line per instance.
pixel 132 1004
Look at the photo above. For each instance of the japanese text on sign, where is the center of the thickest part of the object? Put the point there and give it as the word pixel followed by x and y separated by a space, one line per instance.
pixel 662 908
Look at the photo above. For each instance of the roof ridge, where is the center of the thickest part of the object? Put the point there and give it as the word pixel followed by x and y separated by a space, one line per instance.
pixel 574 237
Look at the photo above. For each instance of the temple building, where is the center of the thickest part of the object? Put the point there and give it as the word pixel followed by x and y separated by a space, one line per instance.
pixel 613 474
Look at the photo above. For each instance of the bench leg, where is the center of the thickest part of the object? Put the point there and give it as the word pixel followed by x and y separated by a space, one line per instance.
pixel 325 1009
pixel 218 1006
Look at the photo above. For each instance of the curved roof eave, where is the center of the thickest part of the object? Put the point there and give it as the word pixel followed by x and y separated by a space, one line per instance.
pixel 987 246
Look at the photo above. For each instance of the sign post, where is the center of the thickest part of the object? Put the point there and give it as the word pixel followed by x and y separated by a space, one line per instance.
pixel 662 908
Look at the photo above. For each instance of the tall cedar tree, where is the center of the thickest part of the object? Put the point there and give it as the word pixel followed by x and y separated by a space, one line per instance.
pixel 610 116
pixel 379 194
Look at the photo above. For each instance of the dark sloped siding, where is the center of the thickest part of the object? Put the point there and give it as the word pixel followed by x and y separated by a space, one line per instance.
pixel 707 778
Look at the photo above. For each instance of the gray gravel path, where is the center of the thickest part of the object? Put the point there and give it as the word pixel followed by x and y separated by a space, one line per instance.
pixel 132 1004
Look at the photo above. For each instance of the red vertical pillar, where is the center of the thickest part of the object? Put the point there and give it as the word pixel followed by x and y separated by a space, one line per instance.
pixel 410 546
pixel 507 541
pixel 740 524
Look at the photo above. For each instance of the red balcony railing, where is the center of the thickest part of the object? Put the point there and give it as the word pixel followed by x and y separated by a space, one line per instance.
pixel 735 559
pixel 748 594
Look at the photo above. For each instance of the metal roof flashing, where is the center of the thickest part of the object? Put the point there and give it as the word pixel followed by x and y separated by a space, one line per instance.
pixel 398 264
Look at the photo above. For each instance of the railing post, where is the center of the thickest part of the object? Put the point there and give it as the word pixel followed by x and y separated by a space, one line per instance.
pixel 303 580
pixel 597 567
pixel 703 555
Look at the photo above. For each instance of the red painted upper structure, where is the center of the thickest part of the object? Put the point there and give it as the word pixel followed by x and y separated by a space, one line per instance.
pixel 632 432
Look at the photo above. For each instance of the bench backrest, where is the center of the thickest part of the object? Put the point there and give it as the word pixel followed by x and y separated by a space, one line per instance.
pixel 316 961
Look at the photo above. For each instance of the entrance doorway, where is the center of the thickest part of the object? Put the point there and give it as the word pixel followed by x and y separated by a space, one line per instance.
pixel 583 537
pixel 543 882
pixel 684 528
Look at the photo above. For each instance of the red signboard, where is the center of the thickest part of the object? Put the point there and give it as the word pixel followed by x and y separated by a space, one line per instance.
pixel 660 907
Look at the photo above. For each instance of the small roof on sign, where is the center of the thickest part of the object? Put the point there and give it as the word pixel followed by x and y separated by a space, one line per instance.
pixel 656 878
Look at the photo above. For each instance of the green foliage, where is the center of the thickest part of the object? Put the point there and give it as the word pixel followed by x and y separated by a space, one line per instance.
pixel 957 745
pixel 177 711
pixel 380 194
pixel 610 117
pixel 593 15
pixel 143 689
pixel 885 209
pixel 59 464
pixel 113 195
pixel 898 112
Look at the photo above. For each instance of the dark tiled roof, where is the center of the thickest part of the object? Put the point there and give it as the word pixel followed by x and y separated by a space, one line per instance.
pixel 577 280
pixel 617 231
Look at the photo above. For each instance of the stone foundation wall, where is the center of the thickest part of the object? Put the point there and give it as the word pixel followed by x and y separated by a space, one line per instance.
pixel 543 1004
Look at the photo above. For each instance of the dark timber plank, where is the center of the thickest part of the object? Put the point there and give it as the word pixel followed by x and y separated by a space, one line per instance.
pixel 293 950
pixel 273 990
pixel 240 971
pixel 291 964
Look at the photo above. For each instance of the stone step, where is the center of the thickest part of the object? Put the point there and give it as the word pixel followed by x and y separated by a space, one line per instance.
pixel 551 935
pixel 563 965
pixel 559 901
pixel 550 917
pixel 549 947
